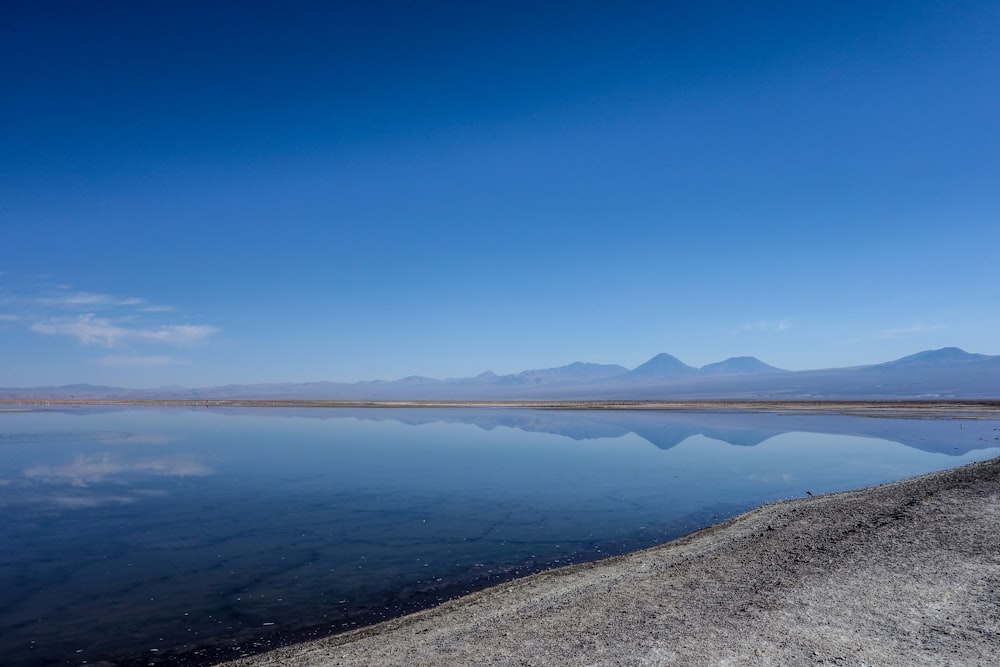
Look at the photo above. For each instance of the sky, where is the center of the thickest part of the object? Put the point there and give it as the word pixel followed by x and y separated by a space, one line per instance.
pixel 199 194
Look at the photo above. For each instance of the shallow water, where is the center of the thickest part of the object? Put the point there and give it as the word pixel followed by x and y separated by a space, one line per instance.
pixel 179 536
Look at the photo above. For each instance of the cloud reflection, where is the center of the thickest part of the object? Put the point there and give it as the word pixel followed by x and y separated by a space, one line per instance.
pixel 85 470
pixel 88 502
pixel 134 439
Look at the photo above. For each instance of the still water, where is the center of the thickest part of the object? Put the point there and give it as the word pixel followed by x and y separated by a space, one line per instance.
pixel 186 536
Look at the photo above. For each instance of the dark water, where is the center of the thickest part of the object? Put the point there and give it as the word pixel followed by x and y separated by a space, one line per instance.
pixel 188 536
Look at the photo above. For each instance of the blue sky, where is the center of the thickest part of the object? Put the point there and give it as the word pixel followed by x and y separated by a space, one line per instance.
pixel 251 192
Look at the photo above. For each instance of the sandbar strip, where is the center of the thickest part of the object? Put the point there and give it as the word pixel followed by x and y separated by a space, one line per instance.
pixel 907 573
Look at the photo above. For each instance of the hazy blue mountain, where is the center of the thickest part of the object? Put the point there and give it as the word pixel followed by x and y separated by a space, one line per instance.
pixel 945 373
pixel 738 365
pixel 416 379
pixel 68 391
pixel 935 358
pixel 948 372
pixel 577 372
pixel 661 366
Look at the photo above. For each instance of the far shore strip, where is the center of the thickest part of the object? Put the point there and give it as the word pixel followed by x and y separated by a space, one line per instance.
pixel 907 573
pixel 911 408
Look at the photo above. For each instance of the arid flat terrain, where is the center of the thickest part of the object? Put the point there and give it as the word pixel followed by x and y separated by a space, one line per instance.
pixel 902 574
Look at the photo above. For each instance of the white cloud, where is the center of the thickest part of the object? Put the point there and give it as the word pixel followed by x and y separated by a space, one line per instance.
pixel 92 330
pixel 136 361
pixel 764 325
pixel 92 299
pixel 102 320
pixel 912 329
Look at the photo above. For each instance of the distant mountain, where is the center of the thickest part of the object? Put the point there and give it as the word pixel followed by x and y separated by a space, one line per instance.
pixel 416 379
pixel 662 366
pixel 737 366
pixel 66 392
pixel 948 373
pixel 580 371
pixel 935 358
pixel 576 373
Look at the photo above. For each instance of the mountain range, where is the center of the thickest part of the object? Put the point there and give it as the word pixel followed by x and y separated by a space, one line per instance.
pixel 948 373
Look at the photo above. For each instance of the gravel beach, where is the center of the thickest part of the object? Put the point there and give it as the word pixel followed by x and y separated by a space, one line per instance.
pixel 906 573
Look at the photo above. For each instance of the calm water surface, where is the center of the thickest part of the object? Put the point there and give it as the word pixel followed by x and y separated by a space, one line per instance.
pixel 180 536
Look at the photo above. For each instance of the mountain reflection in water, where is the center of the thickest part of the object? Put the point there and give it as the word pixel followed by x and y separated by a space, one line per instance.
pixel 667 429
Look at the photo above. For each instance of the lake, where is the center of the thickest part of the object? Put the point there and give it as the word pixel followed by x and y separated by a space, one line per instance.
pixel 191 535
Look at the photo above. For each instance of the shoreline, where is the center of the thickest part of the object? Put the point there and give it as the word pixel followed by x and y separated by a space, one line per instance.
pixel 903 573
pixel 935 408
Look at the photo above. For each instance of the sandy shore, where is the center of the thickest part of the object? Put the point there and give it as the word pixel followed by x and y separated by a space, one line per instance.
pixel 903 574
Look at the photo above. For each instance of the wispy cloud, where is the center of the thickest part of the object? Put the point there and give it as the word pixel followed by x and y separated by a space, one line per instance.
pixel 91 299
pixel 101 319
pixel 764 325
pixel 895 332
pixel 90 329
pixel 137 361
pixel 910 330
